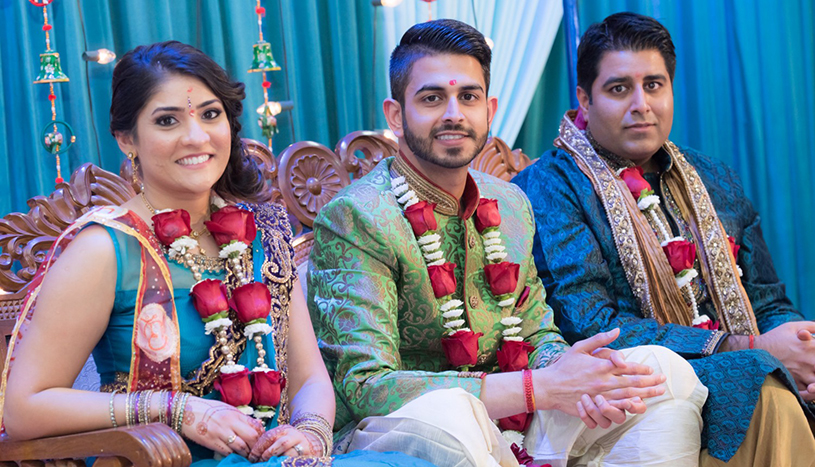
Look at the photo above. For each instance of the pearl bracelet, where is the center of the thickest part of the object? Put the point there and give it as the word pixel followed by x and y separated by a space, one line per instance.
pixel 112 412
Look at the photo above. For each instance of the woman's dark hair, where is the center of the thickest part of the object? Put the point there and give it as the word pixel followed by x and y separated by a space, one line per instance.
pixel 621 31
pixel 141 71
pixel 441 36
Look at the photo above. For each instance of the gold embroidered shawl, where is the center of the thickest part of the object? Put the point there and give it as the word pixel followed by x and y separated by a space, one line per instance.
pixel 647 269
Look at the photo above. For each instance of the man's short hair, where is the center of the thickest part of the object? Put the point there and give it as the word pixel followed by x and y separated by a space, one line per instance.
pixel 441 36
pixel 621 31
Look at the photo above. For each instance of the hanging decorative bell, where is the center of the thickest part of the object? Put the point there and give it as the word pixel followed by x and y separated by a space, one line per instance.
pixel 50 69
pixel 263 59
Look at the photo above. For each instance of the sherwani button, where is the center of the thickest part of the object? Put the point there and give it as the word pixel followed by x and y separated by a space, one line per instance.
pixel 473 301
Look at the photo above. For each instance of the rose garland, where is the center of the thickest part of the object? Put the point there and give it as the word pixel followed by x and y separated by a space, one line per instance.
pixel 233 230
pixel 681 253
pixel 460 343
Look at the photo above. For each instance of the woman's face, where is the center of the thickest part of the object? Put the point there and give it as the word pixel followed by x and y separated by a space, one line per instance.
pixel 182 138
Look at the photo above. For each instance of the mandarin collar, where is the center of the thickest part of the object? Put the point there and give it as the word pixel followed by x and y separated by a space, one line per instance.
pixel 426 190
pixel 662 157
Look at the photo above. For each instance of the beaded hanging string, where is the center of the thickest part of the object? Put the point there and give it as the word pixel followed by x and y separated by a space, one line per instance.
pixel 51 72
pixel 263 62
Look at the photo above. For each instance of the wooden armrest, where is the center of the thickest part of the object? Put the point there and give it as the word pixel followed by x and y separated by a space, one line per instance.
pixel 153 445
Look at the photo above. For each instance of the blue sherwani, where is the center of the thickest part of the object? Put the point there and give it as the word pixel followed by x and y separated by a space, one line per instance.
pixel 577 260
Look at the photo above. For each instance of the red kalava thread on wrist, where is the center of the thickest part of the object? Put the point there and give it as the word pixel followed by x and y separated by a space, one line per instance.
pixel 529 391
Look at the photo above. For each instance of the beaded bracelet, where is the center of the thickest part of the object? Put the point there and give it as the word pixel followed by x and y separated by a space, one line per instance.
pixel 529 391
pixel 162 397
pixel 136 406
pixel 178 411
pixel 112 413
pixel 129 409
pixel 174 416
pixel 751 342
pixel 144 415
pixel 168 416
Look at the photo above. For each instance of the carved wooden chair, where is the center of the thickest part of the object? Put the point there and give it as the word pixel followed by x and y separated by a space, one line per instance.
pixel 304 177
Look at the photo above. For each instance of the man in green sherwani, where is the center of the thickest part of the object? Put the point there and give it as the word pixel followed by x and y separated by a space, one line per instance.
pixel 427 303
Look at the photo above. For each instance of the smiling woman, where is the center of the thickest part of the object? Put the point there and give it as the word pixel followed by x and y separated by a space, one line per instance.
pixel 197 252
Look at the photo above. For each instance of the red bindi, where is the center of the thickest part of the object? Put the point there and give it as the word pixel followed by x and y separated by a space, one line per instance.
pixel 453 82
pixel 189 103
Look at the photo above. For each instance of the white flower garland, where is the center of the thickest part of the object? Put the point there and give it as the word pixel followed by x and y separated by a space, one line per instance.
pixel 684 278
pixel 513 437
pixel 430 244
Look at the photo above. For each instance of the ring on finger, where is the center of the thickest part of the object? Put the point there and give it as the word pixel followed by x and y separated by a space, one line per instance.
pixel 231 438
pixel 299 449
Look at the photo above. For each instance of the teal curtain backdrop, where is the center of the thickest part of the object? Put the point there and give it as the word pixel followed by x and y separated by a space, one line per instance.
pixel 744 93
pixel 324 47
pixel 744 86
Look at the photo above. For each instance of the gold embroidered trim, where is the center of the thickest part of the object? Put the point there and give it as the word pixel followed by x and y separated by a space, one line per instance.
pixel 279 274
pixel 712 342
pixel 573 140
pixel 445 204
pixel 726 291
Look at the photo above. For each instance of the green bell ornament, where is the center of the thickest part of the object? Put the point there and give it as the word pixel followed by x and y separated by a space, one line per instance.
pixel 267 121
pixel 50 69
pixel 263 59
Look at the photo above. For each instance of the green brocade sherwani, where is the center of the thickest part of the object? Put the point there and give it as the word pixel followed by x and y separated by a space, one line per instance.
pixel 372 304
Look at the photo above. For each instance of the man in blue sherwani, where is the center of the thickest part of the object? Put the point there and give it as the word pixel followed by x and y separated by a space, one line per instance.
pixel 636 233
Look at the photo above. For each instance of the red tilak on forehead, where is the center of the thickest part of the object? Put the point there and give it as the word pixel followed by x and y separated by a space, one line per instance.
pixel 189 103
pixel 453 82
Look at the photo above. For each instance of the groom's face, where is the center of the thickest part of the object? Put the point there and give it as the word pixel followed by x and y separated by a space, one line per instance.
pixel 447 114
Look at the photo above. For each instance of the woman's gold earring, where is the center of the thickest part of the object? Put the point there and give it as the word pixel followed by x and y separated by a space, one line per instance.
pixel 138 186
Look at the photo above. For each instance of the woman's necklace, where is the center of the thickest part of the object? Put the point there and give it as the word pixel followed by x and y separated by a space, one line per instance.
pixel 200 260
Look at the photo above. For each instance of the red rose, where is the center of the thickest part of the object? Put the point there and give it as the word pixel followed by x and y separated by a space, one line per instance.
pixel 421 217
pixel 514 356
pixel 251 301
pixel 232 223
pixel 522 298
pixel 524 458
pixel 681 254
pixel 710 325
pixel 487 215
pixel 502 277
pixel 442 279
pixel 633 177
pixel 235 388
pixel 580 120
pixel 209 297
pixel 266 387
pixel 734 247
pixel 171 225
pixel 519 422
pixel 461 348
